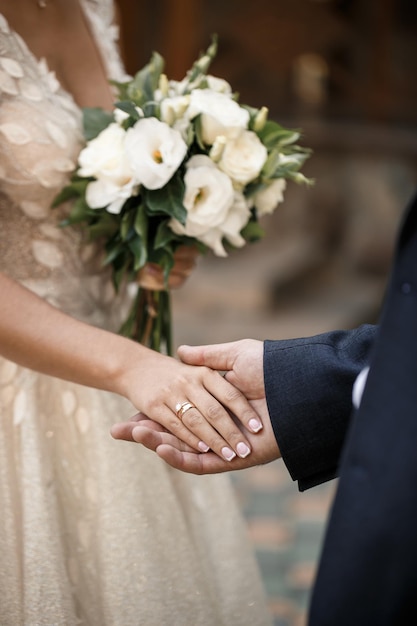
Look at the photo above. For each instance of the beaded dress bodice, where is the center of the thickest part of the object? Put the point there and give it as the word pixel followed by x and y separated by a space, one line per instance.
pixel 40 138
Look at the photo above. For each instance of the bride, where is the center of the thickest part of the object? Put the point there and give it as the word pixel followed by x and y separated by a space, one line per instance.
pixel 94 532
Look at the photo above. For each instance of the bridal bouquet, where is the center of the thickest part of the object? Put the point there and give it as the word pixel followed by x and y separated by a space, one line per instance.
pixel 176 163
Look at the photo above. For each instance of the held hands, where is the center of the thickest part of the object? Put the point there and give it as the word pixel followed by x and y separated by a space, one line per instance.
pixel 182 457
pixel 162 383
pixel 242 362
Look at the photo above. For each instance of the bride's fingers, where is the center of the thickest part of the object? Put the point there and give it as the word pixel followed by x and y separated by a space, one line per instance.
pixel 194 463
pixel 215 412
pixel 232 398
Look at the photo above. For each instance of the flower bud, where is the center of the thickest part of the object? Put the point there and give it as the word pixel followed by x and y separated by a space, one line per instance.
pixel 260 119
pixel 163 85
pixel 217 148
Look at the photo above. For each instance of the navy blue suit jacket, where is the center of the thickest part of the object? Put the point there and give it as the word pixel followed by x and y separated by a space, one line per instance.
pixel 367 574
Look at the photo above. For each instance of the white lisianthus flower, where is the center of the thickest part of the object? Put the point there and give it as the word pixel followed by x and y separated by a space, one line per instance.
pixel 175 88
pixel 104 158
pixel 220 115
pixel 104 192
pixel 266 200
pixel 243 157
pixel 218 84
pixel 155 151
pixel 237 218
pixel 173 108
pixel 208 198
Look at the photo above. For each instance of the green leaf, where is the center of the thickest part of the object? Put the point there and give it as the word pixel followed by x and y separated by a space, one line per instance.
pixel 252 231
pixel 145 82
pixel 141 222
pixel 119 274
pixel 168 200
pixel 129 108
pixel 164 235
pixel 274 135
pixel 95 120
pixel 105 226
pixel 68 193
pixel 113 251
pixel 80 212
pixel 201 66
pixel 126 225
pixel 165 259
pixel 140 254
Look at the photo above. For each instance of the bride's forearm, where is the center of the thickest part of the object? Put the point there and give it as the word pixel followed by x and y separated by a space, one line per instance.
pixel 38 336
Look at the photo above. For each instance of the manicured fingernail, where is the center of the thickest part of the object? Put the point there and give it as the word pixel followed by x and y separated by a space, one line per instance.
pixel 255 425
pixel 228 454
pixel 242 449
pixel 203 447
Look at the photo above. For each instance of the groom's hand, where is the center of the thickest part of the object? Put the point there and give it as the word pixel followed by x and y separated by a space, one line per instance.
pixel 180 456
pixel 241 360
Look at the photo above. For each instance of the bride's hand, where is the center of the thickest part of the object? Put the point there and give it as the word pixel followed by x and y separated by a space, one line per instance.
pixel 151 275
pixel 177 454
pixel 160 385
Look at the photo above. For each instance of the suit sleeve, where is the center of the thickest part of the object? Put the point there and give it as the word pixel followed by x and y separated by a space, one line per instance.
pixel 308 384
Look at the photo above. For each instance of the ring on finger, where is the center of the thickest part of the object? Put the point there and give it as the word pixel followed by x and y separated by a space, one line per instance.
pixel 182 407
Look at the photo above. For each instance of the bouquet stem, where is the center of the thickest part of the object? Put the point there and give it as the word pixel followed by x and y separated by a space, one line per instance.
pixel 149 321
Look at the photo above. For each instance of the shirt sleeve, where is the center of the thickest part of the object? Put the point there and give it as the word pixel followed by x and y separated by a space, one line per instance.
pixel 308 384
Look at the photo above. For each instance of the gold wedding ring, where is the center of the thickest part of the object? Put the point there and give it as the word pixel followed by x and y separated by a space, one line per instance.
pixel 182 407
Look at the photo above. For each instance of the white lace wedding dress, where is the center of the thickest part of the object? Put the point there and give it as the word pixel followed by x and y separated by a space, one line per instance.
pixel 92 531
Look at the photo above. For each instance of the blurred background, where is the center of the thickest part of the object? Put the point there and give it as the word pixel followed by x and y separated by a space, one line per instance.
pixel 345 73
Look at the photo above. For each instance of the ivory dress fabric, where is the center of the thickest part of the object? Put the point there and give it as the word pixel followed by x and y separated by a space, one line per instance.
pixel 92 531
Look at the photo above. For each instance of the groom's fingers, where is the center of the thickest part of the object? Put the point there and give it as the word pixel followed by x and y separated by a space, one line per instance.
pixel 217 356
pixel 124 430
pixel 151 437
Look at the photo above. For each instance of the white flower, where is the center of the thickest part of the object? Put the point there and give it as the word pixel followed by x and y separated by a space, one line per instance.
pixel 106 193
pixel 243 157
pixel 121 116
pixel 220 115
pixel 214 210
pixel 237 218
pixel 104 158
pixel 208 199
pixel 267 199
pixel 218 84
pixel 172 113
pixel 155 151
pixel 105 155
pixel 173 108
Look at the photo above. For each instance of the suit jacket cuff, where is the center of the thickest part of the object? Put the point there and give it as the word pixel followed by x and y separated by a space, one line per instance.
pixel 308 385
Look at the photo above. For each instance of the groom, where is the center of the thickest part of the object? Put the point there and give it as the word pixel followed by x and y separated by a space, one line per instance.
pixel 344 404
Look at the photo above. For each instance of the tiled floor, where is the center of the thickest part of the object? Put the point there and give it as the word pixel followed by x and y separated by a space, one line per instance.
pixel 228 299
pixel 286 528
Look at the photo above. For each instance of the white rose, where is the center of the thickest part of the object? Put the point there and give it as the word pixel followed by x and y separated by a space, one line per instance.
pixel 155 151
pixel 267 199
pixel 104 192
pixel 243 157
pixel 220 115
pixel 105 156
pixel 208 198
